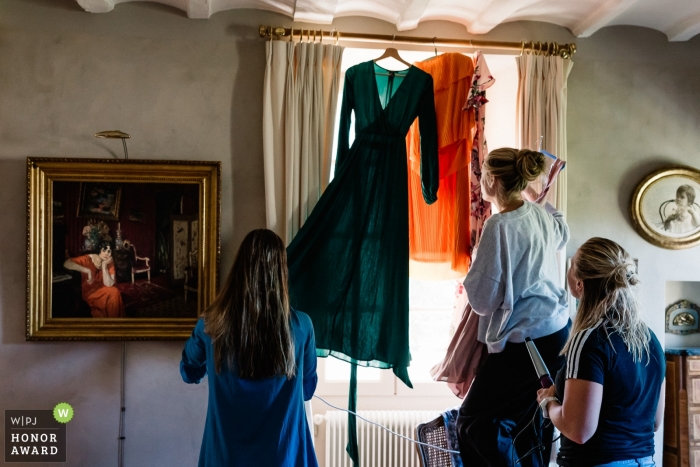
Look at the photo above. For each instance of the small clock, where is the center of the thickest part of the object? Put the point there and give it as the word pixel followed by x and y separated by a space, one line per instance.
pixel 682 318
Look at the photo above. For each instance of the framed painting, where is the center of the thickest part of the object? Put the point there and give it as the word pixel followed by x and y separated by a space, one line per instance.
pixel 98 271
pixel 99 200
pixel 665 208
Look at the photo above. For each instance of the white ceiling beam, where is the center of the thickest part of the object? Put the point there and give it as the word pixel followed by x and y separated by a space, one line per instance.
pixel 411 15
pixel 315 11
pixel 684 30
pixel 493 14
pixel 601 17
pixel 198 9
pixel 97 6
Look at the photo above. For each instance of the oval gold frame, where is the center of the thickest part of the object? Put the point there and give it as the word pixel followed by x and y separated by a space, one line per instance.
pixel 643 227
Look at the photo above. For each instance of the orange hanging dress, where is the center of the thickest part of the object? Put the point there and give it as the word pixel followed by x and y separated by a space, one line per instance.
pixel 439 234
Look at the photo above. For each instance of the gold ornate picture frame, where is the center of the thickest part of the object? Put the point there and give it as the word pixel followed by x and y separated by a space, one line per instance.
pixel 109 277
pixel 665 208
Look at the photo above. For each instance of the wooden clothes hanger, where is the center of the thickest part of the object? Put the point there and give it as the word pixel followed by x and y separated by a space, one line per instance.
pixel 391 52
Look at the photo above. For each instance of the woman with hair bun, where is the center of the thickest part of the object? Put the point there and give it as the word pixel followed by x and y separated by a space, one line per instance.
pixel 612 387
pixel 514 287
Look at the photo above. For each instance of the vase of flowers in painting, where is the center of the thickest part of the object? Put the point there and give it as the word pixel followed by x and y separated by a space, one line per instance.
pixel 94 233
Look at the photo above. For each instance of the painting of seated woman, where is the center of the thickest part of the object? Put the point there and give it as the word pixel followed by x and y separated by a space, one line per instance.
pixel 97 280
pixel 124 250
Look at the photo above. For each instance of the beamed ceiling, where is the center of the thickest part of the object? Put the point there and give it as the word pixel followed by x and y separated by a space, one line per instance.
pixel 678 19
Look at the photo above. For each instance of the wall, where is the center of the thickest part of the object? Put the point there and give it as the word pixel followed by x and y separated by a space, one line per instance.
pixel 191 89
pixel 634 107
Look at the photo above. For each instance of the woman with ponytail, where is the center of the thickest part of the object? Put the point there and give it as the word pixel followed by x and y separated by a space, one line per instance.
pixel 609 399
pixel 514 287
pixel 260 356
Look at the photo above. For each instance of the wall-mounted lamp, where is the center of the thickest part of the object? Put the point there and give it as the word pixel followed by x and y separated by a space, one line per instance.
pixel 115 134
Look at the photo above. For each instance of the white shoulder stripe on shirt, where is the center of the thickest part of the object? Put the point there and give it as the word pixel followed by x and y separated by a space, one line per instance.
pixel 574 357
pixel 572 351
pixel 575 345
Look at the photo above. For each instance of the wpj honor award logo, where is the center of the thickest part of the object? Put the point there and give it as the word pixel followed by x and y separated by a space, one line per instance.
pixel 37 435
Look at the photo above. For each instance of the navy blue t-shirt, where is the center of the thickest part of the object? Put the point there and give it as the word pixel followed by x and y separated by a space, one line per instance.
pixel 630 396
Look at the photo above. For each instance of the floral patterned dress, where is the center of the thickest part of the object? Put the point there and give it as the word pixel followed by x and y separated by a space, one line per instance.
pixel 480 209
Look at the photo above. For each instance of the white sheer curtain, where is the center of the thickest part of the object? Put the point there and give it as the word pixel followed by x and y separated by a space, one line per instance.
pixel 542 111
pixel 299 106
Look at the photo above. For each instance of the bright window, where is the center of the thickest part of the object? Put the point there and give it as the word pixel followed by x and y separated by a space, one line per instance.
pixel 339 370
pixel 432 312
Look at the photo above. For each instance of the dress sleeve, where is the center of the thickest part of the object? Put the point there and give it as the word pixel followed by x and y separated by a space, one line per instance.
pixel 427 124
pixel 484 283
pixel 345 121
pixel 586 358
pixel 310 376
pixel 83 261
pixel 193 365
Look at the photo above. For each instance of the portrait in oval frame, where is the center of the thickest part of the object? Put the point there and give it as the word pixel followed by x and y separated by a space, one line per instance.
pixel 666 208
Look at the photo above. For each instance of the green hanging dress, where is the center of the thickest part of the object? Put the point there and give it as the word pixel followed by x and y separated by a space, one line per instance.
pixel 348 265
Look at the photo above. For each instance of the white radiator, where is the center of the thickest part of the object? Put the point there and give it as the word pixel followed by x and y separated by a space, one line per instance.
pixel 378 447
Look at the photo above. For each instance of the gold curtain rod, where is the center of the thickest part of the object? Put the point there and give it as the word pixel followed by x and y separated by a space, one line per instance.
pixel 543 48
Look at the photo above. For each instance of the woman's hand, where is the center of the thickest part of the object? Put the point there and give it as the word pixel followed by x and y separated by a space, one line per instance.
pixel 694 212
pixel 678 213
pixel 543 393
pixel 70 265
pixel 107 279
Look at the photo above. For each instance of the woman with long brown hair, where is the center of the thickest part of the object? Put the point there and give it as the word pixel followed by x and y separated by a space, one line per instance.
pixel 260 356
pixel 612 388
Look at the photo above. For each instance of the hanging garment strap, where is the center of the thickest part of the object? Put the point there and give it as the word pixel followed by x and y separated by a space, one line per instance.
pixel 352 448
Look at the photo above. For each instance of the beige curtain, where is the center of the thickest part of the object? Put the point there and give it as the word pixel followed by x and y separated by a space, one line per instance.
pixel 542 111
pixel 299 107
pixel 542 114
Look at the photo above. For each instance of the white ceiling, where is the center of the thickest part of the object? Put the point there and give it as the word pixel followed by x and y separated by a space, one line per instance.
pixel 678 19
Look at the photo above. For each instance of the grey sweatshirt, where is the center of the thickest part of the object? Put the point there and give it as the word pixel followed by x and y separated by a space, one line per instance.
pixel 513 283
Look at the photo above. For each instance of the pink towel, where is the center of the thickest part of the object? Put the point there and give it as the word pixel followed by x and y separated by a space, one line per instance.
pixel 463 356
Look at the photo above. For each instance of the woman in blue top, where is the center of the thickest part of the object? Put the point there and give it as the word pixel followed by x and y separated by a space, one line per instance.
pixel 260 356
pixel 514 287
pixel 612 388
